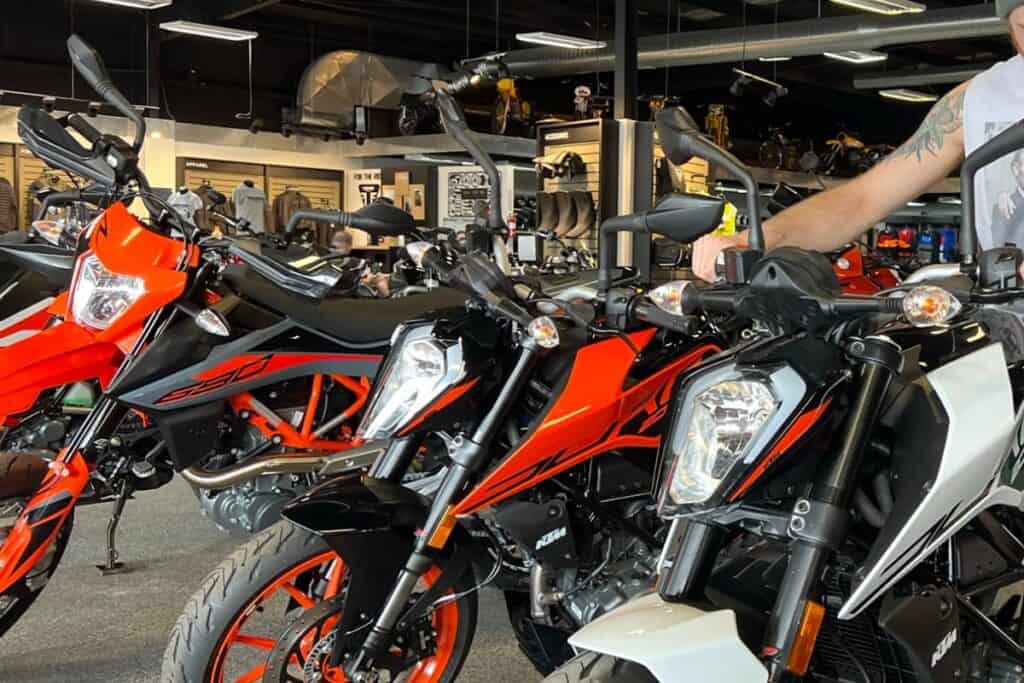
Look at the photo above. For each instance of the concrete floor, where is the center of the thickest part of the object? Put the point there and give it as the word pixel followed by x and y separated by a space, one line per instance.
pixel 86 628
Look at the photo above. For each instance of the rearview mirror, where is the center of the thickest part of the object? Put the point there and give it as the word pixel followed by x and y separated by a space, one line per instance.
pixel 681 141
pixel 685 217
pixel 384 219
pixel 89 64
pixel 216 198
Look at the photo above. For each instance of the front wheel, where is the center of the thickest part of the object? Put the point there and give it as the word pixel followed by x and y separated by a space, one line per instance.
pixel 248 610
pixel 591 667
pixel 20 477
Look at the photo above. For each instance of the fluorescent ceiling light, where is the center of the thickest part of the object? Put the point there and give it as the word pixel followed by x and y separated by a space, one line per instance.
pixel 889 7
pixel 950 200
pixel 755 77
pixel 208 31
pixel 560 40
pixel 916 204
pixel 908 95
pixel 858 56
pixel 138 4
pixel 774 59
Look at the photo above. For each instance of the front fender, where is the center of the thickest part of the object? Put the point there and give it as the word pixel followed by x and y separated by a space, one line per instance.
pixel 675 642
pixel 62 354
pixel 354 504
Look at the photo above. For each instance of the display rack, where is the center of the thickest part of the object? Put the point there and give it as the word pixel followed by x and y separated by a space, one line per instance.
pixel 595 141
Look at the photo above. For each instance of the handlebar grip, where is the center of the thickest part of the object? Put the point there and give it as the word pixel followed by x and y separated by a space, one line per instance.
pixel 645 311
pixel 84 128
pixel 509 309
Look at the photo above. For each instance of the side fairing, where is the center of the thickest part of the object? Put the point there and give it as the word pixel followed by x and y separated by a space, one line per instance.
pixel 969 399
pixel 592 414
pixel 248 363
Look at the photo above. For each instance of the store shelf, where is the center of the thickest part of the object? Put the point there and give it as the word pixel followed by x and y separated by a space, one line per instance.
pixel 771 176
pixel 495 145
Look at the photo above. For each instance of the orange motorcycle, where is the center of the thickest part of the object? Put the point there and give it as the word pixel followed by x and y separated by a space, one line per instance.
pixel 207 358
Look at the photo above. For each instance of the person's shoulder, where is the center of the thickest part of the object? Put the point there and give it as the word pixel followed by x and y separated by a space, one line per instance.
pixel 1008 68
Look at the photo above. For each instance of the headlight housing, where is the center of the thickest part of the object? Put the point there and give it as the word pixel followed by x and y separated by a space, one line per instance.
pixel 418 371
pixel 725 421
pixel 99 296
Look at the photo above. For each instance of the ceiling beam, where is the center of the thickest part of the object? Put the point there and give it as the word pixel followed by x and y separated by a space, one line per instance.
pixel 235 9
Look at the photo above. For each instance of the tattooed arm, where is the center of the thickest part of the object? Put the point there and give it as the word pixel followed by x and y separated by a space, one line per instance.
pixel 830 219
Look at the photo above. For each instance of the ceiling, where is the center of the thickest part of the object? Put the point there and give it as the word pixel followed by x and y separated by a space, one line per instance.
pixel 206 81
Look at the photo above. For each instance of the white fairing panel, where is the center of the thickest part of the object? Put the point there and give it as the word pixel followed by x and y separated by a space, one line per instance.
pixel 975 393
pixel 675 642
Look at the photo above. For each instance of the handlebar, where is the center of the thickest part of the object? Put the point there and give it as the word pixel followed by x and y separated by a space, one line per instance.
pixel 735 300
pixel 641 309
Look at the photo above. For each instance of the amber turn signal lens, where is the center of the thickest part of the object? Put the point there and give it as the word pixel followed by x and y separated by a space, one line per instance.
pixel 444 529
pixel 803 648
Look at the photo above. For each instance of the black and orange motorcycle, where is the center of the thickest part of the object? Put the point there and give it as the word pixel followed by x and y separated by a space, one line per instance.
pixel 517 436
pixel 239 372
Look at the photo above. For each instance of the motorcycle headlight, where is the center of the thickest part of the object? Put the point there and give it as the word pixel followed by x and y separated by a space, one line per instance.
pixel 99 296
pixel 417 373
pixel 725 423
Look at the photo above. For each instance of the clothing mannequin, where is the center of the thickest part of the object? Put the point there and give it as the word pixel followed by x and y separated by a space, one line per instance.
pixel 250 204
pixel 186 203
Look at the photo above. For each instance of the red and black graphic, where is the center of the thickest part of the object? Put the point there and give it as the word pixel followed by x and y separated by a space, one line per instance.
pixel 247 368
pixel 246 371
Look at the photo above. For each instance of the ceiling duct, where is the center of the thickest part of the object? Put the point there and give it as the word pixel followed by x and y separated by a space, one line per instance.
pixel 909 77
pixel 339 81
pixel 791 38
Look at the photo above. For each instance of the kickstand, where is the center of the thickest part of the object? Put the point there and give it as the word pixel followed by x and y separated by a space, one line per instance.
pixel 112 566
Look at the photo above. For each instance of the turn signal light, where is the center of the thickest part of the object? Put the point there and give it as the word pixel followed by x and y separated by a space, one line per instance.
pixel 669 296
pixel 803 648
pixel 544 332
pixel 929 305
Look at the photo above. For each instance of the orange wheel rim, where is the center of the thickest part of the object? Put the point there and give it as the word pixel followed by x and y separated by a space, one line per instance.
pixel 445 621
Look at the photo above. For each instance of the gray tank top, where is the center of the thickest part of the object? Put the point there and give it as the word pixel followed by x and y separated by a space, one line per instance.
pixel 994 101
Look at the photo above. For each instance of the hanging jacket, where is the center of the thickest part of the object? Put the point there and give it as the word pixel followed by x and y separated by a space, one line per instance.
pixel 285 206
pixel 8 207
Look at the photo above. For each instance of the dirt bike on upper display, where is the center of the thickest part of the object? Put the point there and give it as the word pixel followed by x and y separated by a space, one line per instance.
pixel 845 497
pixel 516 436
pixel 197 355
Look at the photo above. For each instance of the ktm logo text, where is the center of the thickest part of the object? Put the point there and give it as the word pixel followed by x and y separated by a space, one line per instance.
pixel 243 372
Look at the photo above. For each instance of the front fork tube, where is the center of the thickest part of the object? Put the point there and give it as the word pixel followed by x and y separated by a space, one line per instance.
pixel 467 456
pixel 819 522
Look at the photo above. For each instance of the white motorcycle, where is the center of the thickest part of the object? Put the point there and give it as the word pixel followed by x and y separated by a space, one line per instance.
pixel 846 495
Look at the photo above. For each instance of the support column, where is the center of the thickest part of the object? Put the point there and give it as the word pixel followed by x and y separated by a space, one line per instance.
pixel 153 61
pixel 626 71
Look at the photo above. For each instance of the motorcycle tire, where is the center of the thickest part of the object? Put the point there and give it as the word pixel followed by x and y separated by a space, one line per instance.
pixel 21 471
pixel 200 640
pixel 591 667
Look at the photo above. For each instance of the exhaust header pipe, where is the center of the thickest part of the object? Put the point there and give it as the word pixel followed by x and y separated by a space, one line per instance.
pixel 303 462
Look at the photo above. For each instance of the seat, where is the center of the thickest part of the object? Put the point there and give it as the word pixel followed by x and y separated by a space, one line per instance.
pixel 360 321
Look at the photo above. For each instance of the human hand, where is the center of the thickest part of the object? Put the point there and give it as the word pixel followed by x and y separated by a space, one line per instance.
pixel 706 251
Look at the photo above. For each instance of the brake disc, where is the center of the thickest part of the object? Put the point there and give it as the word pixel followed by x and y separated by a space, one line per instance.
pixel 306 647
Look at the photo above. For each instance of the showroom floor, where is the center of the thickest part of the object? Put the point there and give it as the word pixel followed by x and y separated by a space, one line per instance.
pixel 90 629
